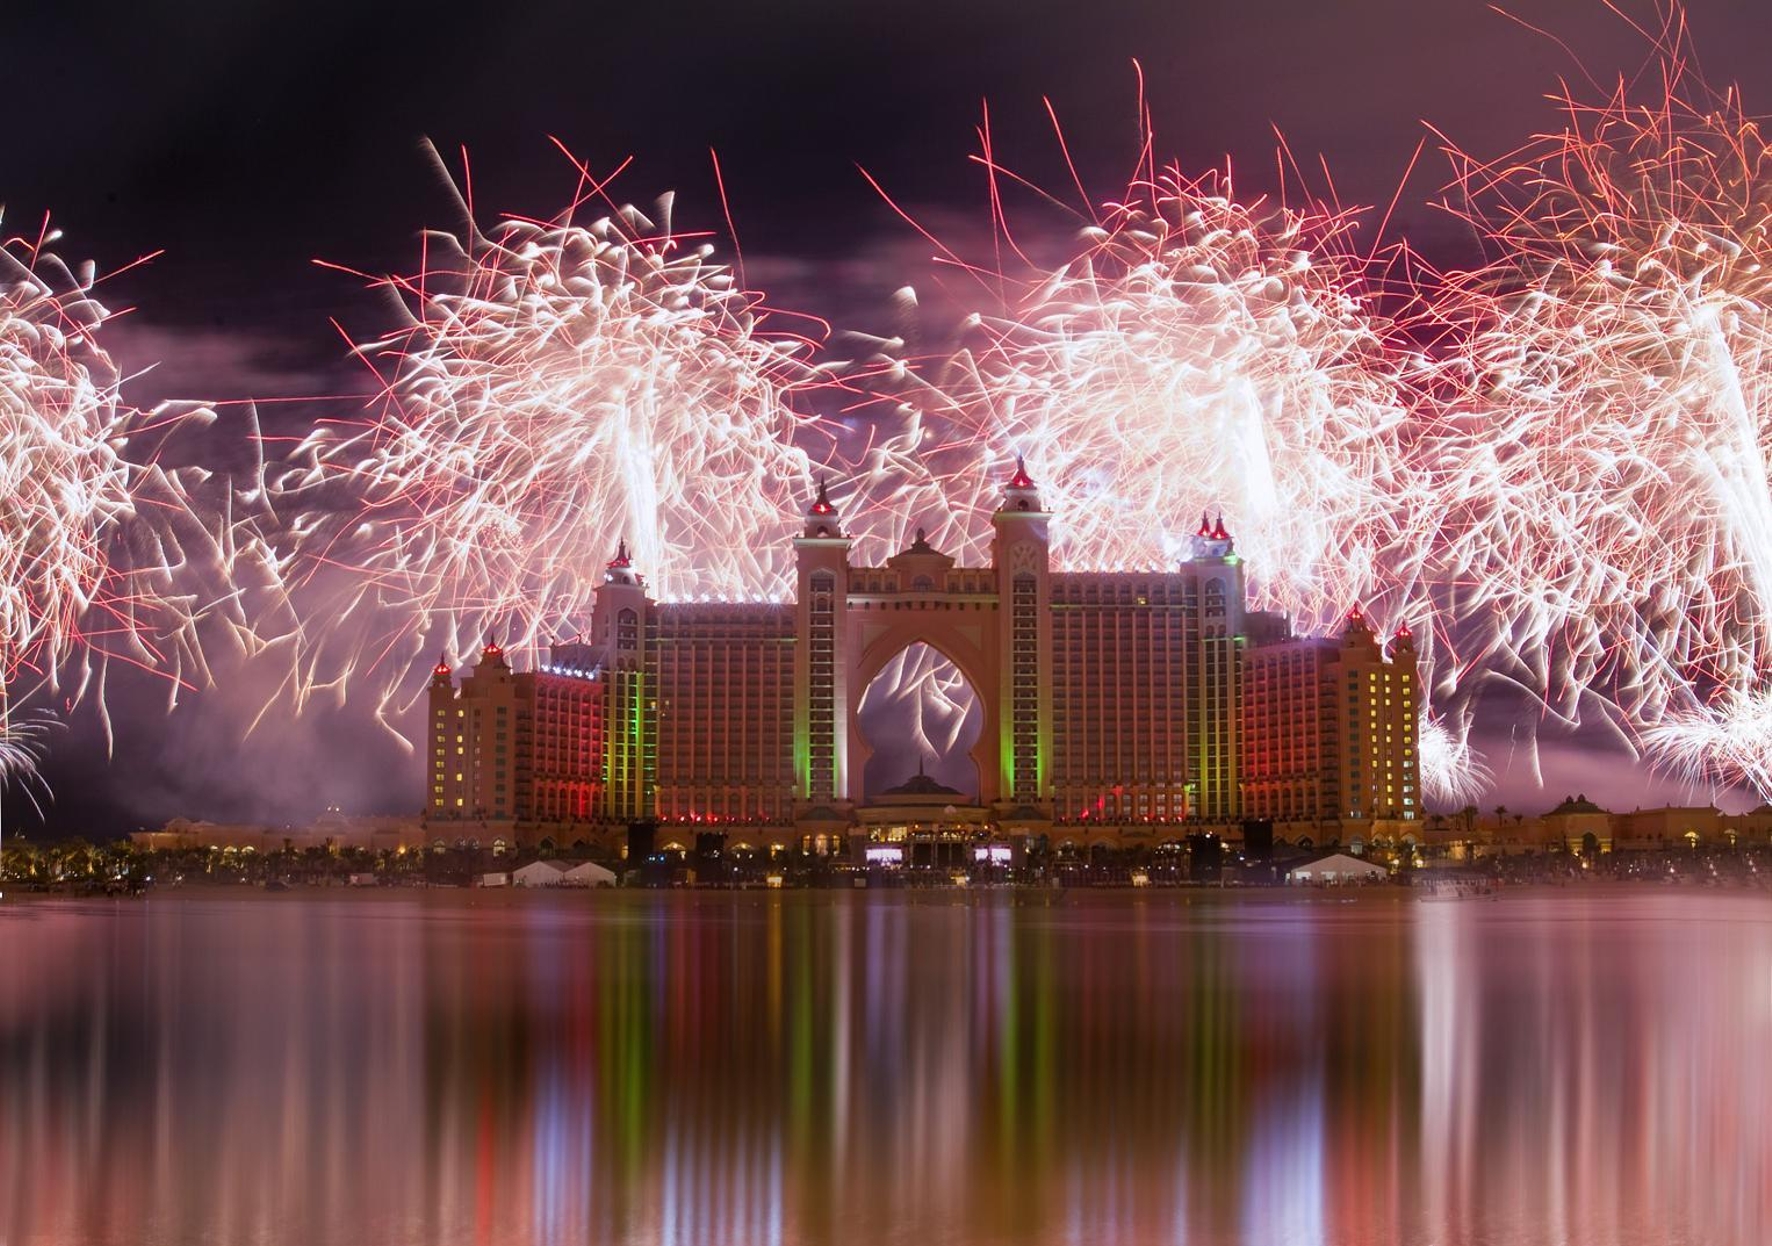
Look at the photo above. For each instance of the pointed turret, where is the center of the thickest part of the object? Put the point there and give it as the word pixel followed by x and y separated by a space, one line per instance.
pixel 1020 494
pixel 1358 629
pixel 1213 540
pixel 440 673
pixel 621 568
pixel 1403 642
pixel 821 517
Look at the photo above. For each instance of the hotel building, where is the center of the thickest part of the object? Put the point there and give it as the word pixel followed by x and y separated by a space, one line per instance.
pixel 512 746
pixel 1329 729
pixel 1118 708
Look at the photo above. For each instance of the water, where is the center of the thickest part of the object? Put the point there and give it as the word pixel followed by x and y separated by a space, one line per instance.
pixel 875 1068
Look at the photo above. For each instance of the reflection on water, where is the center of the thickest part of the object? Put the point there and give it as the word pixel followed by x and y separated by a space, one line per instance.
pixel 943 1068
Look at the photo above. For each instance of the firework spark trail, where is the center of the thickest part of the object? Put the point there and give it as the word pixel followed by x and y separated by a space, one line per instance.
pixel 920 683
pixel 1601 429
pixel 23 742
pixel 110 552
pixel 557 387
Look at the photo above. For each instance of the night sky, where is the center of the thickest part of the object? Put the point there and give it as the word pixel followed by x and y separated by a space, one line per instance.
pixel 247 140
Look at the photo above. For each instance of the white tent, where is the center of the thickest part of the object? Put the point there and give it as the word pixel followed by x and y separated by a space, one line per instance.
pixel 540 874
pixel 1337 868
pixel 588 874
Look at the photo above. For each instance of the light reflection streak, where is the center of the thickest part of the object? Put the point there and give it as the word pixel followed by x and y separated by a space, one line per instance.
pixel 903 1067
pixel 1283 1198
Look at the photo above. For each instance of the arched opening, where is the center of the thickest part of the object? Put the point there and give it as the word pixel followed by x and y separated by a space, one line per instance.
pixel 920 711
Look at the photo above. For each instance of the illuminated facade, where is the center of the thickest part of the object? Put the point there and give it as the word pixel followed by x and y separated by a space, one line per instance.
pixel 517 746
pixel 725 680
pixel 1146 672
pixel 1330 729
pixel 1120 706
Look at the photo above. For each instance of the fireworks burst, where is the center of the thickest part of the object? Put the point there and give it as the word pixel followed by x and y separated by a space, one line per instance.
pixel 1451 772
pixel 558 387
pixel 96 530
pixel 1601 436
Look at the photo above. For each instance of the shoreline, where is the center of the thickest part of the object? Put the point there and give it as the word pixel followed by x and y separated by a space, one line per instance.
pixel 1020 893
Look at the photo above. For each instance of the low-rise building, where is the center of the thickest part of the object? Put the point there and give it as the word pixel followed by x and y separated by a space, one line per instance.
pixel 329 831
pixel 1577 825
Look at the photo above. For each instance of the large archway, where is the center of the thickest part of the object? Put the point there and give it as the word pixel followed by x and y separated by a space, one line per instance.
pixel 920 714
pixel 877 644
pixel 991 623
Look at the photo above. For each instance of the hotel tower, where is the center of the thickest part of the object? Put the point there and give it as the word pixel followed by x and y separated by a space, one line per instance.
pixel 1123 708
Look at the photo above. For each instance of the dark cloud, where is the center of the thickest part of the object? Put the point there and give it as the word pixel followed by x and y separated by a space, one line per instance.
pixel 209 364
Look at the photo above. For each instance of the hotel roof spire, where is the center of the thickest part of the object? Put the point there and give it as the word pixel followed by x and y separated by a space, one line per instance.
pixel 1213 539
pixel 822 521
pixel 1020 494
pixel 621 567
